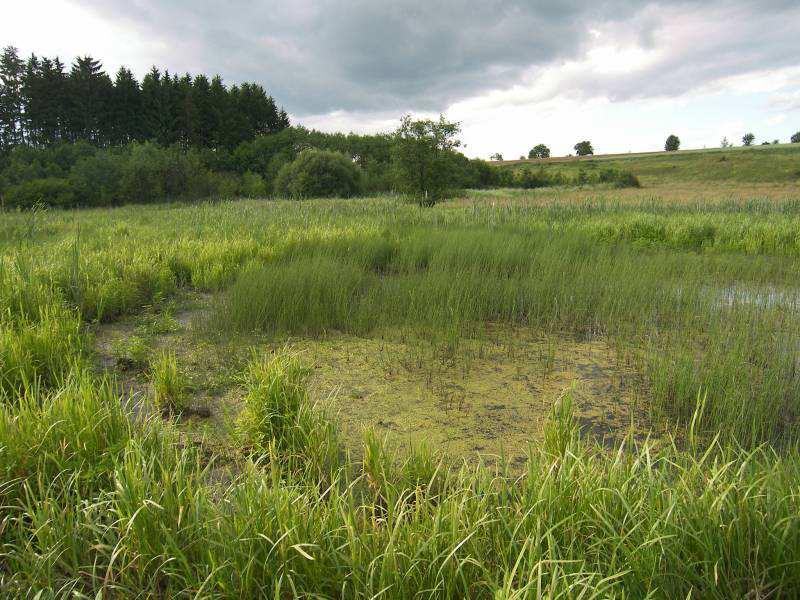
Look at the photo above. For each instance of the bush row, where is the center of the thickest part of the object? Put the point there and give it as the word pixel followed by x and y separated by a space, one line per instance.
pixel 293 163
pixel 528 178
pixel 138 173
pixel 284 164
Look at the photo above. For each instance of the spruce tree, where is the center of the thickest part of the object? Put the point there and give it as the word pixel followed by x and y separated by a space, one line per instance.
pixel 90 97
pixel 204 113
pixel 283 120
pixel 170 109
pixel 220 108
pixel 126 109
pixel 53 103
pixel 150 106
pixel 187 125
pixel 12 69
pixel 32 100
pixel 238 118
pixel 159 107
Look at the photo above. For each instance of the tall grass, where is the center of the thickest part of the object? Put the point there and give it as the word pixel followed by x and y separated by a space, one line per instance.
pixel 94 506
pixel 699 299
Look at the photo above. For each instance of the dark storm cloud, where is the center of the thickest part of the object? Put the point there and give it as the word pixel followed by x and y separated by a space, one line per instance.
pixel 318 56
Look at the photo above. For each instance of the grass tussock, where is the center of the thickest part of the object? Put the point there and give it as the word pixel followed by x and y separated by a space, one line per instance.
pixel 38 353
pixel 279 421
pixel 169 383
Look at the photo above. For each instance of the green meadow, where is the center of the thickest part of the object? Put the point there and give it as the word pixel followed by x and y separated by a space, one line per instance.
pixel 743 165
pixel 577 392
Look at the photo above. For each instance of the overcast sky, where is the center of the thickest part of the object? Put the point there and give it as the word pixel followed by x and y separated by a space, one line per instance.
pixel 621 73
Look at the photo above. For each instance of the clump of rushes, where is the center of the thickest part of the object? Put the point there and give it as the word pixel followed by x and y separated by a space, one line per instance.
pixel 169 383
pixel 279 420
pixel 421 475
pixel 561 430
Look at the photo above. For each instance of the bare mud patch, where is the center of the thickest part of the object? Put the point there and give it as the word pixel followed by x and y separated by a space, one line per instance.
pixel 487 399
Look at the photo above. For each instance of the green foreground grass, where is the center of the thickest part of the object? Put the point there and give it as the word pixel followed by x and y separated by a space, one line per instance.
pixel 700 298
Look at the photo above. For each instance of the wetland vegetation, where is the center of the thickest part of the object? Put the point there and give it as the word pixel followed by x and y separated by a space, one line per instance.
pixel 568 392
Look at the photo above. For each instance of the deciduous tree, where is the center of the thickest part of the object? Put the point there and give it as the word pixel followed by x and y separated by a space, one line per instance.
pixel 672 144
pixel 539 151
pixel 422 150
pixel 584 148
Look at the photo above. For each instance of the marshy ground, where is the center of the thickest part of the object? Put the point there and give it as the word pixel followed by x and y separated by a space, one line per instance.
pixel 490 396
pixel 583 392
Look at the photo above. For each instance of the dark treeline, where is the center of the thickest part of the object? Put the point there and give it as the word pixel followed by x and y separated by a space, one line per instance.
pixel 43 103
pixel 79 138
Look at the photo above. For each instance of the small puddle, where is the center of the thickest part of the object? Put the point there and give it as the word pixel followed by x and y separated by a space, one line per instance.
pixel 762 297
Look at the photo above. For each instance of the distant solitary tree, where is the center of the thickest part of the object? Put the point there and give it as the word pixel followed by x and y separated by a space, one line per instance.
pixel 584 148
pixel 776 141
pixel 796 138
pixel 725 143
pixel 496 156
pixel 539 151
pixel 748 139
pixel 673 143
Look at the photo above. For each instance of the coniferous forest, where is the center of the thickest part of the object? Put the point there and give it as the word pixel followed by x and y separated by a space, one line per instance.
pixel 42 103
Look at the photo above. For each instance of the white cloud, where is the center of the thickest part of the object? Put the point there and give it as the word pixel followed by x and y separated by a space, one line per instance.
pixel 61 28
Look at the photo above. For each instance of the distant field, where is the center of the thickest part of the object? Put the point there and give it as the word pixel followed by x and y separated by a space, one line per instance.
pixel 762 164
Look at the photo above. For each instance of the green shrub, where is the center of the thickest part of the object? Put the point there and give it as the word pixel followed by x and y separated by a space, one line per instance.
pixel 25 163
pixel 155 174
pixel 626 179
pixel 619 178
pixel 319 174
pixel 169 383
pixel 96 179
pixel 52 191
pixel 224 185
pixel 253 185
pixel 529 179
